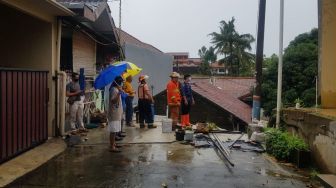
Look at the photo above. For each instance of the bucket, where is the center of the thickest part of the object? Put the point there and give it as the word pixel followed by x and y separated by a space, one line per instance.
pixel 167 125
pixel 188 135
pixel 179 135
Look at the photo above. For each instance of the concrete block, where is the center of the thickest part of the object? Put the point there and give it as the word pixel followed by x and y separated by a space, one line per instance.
pixel 258 137
pixel 327 180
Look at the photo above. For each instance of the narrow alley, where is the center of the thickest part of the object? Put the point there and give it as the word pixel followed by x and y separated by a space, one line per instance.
pixel 150 158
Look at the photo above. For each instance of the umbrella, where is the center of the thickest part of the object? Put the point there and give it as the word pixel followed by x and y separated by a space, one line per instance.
pixel 132 69
pixel 108 75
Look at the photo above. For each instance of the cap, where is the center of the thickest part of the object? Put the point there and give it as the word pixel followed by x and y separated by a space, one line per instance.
pixel 143 77
pixel 175 75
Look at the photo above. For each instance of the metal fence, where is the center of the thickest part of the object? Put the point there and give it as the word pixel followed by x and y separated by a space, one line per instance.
pixel 23 111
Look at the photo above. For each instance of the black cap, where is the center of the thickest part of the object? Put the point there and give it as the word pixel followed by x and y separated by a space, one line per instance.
pixel 186 76
pixel 119 80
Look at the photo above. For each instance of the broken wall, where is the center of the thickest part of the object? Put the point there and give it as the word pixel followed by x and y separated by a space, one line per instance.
pixel 320 134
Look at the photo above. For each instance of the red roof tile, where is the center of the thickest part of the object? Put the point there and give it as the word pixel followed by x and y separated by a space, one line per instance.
pixel 235 86
pixel 225 101
pixel 217 65
pixel 226 94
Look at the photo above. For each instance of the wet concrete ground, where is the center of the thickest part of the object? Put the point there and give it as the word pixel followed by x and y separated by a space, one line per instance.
pixel 155 165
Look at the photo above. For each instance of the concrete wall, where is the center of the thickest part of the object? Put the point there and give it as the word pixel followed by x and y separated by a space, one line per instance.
pixel 25 41
pixel 320 134
pixel 156 65
pixel 327 56
pixel 29 40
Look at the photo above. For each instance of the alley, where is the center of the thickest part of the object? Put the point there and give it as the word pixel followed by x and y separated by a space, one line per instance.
pixel 159 164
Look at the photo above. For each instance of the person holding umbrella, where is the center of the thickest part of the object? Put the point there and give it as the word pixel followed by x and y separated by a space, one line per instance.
pixel 114 112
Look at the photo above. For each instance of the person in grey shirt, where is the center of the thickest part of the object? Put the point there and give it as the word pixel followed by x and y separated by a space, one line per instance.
pixel 76 102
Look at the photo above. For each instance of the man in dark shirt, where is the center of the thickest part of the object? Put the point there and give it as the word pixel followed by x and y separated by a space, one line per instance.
pixel 75 100
pixel 187 100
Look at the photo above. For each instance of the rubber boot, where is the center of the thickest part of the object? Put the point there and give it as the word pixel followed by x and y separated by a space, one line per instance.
pixel 183 120
pixel 187 120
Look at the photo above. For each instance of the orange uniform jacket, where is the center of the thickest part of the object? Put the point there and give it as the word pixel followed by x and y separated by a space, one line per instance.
pixel 173 93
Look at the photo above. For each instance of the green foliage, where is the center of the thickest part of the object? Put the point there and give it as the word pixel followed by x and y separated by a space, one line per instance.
pixel 280 143
pixel 313 173
pixel 204 69
pixel 299 72
pixel 208 56
pixel 298 100
pixel 235 47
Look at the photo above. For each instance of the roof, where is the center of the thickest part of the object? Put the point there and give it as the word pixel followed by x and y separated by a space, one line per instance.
pixel 91 9
pixel 129 39
pixel 178 53
pixel 93 16
pixel 217 65
pixel 235 86
pixel 226 93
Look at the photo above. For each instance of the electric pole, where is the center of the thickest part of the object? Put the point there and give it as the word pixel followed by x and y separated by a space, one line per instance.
pixel 280 64
pixel 259 59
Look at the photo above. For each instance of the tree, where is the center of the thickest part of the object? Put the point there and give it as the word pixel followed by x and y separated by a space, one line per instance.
pixel 299 71
pixel 234 47
pixel 207 56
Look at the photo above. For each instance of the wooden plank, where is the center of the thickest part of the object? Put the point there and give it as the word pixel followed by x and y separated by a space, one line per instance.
pixel 9 113
pixel 29 109
pixel 38 102
pixel 20 109
pixel 15 112
pixel 3 115
pixel 24 109
pixel 33 128
pixel 46 97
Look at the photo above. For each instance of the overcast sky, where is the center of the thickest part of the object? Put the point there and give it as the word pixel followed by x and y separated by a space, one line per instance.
pixel 184 25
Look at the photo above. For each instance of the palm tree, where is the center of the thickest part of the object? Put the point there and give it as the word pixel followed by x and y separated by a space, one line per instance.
pixel 232 45
pixel 208 56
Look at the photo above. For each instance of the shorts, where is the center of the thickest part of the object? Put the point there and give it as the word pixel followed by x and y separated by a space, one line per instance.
pixel 114 126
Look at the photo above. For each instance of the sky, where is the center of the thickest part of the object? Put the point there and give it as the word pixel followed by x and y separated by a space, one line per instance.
pixel 184 25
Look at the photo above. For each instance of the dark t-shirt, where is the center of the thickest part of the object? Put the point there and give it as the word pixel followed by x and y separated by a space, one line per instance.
pixel 72 88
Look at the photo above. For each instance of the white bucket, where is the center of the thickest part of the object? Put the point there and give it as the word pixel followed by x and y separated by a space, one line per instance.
pixel 167 125
pixel 188 136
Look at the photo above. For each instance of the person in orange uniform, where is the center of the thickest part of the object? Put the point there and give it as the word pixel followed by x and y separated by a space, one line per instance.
pixel 174 98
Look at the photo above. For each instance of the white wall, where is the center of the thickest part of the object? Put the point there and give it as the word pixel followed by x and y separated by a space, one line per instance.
pixel 156 65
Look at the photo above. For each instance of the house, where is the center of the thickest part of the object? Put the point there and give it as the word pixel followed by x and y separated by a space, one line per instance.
pixel 183 64
pixel 154 63
pixel 30 44
pixel 88 41
pixel 218 69
pixel 225 101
